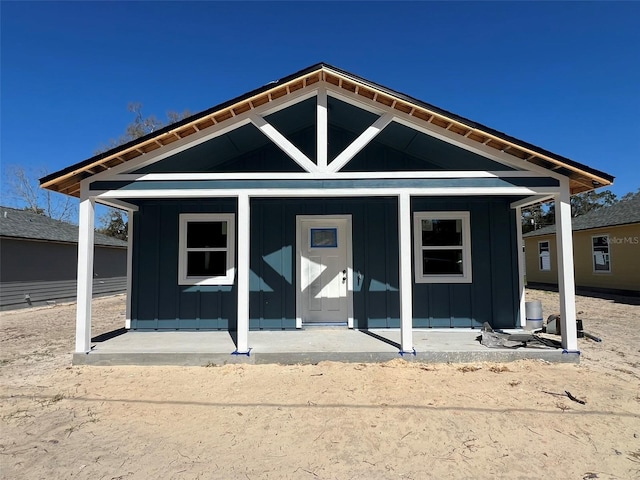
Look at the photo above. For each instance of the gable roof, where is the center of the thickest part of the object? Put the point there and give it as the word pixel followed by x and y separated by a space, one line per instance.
pixel 621 213
pixel 24 224
pixel 582 178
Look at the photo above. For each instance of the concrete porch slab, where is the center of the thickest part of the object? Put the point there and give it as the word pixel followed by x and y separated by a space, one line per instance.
pixel 307 346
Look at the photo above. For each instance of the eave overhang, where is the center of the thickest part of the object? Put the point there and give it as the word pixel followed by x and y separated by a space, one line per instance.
pixel 581 177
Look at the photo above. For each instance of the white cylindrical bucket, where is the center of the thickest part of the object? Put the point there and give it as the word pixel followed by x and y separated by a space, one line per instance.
pixel 533 314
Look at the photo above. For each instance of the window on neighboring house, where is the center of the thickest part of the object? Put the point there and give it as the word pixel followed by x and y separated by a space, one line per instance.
pixel 544 256
pixel 442 247
pixel 601 254
pixel 206 255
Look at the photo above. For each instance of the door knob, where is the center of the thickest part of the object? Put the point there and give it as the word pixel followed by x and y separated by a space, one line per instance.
pixel 344 276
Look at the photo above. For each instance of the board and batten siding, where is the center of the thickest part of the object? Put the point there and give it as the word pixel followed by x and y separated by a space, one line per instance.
pixel 160 303
pixel 492 297
pixel 375 243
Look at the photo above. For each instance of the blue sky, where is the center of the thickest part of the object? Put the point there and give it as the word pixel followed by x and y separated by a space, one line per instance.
pixel 563 76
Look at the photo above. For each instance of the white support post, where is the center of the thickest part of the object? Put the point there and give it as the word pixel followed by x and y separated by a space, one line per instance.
pixel 521 266
pixel 242 346
pixel 566 281
pixel 127 321
pixel 406 284
pixel 85 274
pixel 322 125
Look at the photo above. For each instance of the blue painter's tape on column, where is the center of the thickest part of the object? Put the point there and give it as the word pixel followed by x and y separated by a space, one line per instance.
pixel 412 352
pixel 247 353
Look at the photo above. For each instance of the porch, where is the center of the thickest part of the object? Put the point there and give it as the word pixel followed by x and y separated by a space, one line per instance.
pixel 306 346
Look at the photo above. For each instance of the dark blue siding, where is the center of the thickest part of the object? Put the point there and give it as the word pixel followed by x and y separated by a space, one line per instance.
pixel 492 297
pixel 158 301
pixel 274 279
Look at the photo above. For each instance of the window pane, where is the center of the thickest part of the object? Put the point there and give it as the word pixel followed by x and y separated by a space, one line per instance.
pixel 324 237
pixel 601 262
pixel 436 262
pixel 207 235
pixel 544 247
pixel 441 233
pixel 600 242
pixel 206 264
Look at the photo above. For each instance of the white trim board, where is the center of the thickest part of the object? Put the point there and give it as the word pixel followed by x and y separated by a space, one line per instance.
pixel 324 175
pixel 319 192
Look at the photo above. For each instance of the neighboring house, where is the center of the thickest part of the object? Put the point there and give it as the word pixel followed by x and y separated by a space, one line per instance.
pixel 324 198
pixel 606 250
pixel 39 260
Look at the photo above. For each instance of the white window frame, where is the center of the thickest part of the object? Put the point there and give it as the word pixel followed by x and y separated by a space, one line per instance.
pixel 465 218
pixel 185 219
pixel 593 254
pixel 540 255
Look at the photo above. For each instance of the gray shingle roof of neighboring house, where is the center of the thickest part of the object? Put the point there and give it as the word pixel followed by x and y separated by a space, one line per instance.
pixel 29 225
pixel 621 213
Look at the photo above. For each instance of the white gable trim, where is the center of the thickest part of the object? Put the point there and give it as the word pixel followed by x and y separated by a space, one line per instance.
pixel 207 134
pixel 285 145
pixel 322 134
pixel 443 134
pixel 359 143
pixel 321 90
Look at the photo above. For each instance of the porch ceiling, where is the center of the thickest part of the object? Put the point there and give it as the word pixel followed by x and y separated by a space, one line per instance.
pixel 582 178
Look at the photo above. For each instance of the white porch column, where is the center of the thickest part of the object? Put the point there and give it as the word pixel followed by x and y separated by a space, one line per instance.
pixel 127 321
pixel 406 284
pixel 566 282
pixel 521 266
pixel 243 274
pixel 85 274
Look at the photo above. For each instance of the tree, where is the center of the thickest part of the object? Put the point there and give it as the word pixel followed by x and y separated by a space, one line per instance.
pixel 534 217
pixel 587 201
pixel 631 196
pixel 115 222
pixel 538 216
pixel 25 192
pixel 141 125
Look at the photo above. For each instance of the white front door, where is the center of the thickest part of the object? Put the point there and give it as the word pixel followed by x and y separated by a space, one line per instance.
pixel 324 267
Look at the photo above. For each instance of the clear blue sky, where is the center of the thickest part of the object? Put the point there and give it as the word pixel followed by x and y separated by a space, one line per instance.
pixel 563 76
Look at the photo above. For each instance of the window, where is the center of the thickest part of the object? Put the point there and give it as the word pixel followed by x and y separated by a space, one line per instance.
pixel 600 253
pixel 206 249
pixel 324 237
pixel 544 256
pixel 442 247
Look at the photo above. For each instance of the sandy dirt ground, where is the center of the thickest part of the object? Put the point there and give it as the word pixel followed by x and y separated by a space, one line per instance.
pixel 396 420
